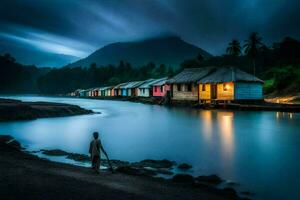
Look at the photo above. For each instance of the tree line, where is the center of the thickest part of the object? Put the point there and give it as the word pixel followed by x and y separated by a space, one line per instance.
pixel 68 79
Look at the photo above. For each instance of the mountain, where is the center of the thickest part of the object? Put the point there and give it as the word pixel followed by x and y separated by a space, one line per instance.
pixel 170 51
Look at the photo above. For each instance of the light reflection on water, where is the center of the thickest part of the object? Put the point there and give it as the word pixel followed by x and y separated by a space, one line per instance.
pixel 255 149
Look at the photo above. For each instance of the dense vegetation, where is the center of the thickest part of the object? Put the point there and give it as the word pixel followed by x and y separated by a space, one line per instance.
pixel 68 79
pixel 278 65
pixel 16 78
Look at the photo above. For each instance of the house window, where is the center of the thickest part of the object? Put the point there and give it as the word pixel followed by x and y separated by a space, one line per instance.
pixel 203 87
pixel 161 88
pixel 155 88
pixel 178 87
pixel 225 87
pixel 189 87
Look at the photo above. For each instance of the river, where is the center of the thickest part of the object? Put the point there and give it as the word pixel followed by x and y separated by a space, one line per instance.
pixel 258 150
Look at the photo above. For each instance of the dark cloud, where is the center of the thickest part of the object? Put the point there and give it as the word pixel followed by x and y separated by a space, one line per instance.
pixel 76 28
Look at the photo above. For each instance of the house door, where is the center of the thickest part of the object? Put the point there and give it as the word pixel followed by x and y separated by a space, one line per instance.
pixel 213 91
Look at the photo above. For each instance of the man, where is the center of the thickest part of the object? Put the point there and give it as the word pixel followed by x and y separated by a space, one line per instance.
pixel 95 151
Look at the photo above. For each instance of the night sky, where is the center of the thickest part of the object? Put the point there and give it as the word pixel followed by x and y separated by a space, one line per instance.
pixel 55 32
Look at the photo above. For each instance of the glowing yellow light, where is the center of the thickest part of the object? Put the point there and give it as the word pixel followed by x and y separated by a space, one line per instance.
pixel 226 87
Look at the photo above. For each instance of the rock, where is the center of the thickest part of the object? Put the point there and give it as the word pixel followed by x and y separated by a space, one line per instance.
pixel 154 163
pixel 211 179
pixel 5 138
pixel 183 178
pixel 231 183
pixel 115 163
pixel 54 152
pixel 78 157
pixel 135 171
pixel 9 141
pixel 165 172
pixel 184 166
pixel 247 193
pixel 230 191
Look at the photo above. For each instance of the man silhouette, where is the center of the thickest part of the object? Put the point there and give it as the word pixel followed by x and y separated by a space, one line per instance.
pixel 95 151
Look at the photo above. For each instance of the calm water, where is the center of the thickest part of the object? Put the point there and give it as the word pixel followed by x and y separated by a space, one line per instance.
pixel 258 150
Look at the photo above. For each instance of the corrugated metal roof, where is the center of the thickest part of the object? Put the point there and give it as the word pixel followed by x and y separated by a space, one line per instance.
pixel 89 89
pixel 137 84
pixel 161 81
pixel 133 84
pixel 229 74
pixel 78 90
pixel 149 83
pixel 190 75
pixel 105 88
pixel 119 86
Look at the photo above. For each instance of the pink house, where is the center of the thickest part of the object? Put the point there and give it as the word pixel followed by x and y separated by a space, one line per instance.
pixel 160 88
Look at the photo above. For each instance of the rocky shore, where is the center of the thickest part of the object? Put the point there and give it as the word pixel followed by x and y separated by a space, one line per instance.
pixel 23 175
pixel 18 110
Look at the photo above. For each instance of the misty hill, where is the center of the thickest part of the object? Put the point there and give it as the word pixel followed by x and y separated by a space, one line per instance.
pixel 170 51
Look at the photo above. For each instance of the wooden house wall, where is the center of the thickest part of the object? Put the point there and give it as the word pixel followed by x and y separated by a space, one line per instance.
pixel 112 93
pixel 136 91
pixel 116 92
pixel 128 92
pixel 144 92
pixel 119 92
pixel 204 95
pixel 184 94
pixel 157 92
pixel 124 92
pixel 82 94
pixel 95 93
pixel 223 94
pixel 107 92
pixel 248 91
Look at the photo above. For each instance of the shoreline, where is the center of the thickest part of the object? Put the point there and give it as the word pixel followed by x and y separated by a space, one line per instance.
pixel 244 106
pixel 11 110
pixel 25 173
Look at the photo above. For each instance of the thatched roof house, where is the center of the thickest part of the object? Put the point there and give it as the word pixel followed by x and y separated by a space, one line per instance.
pixel 184 85
pixel 230 83
pixel 215 83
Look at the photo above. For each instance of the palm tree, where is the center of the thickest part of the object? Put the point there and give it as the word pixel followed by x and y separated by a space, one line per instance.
pixel 252 47
pixel 234 48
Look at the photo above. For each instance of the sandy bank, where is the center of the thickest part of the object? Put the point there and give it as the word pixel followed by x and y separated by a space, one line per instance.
pixel 18 110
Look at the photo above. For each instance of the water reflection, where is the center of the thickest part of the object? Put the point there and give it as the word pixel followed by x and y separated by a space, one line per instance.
pixel 283 115
pixel 226 130
pixel 206 117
